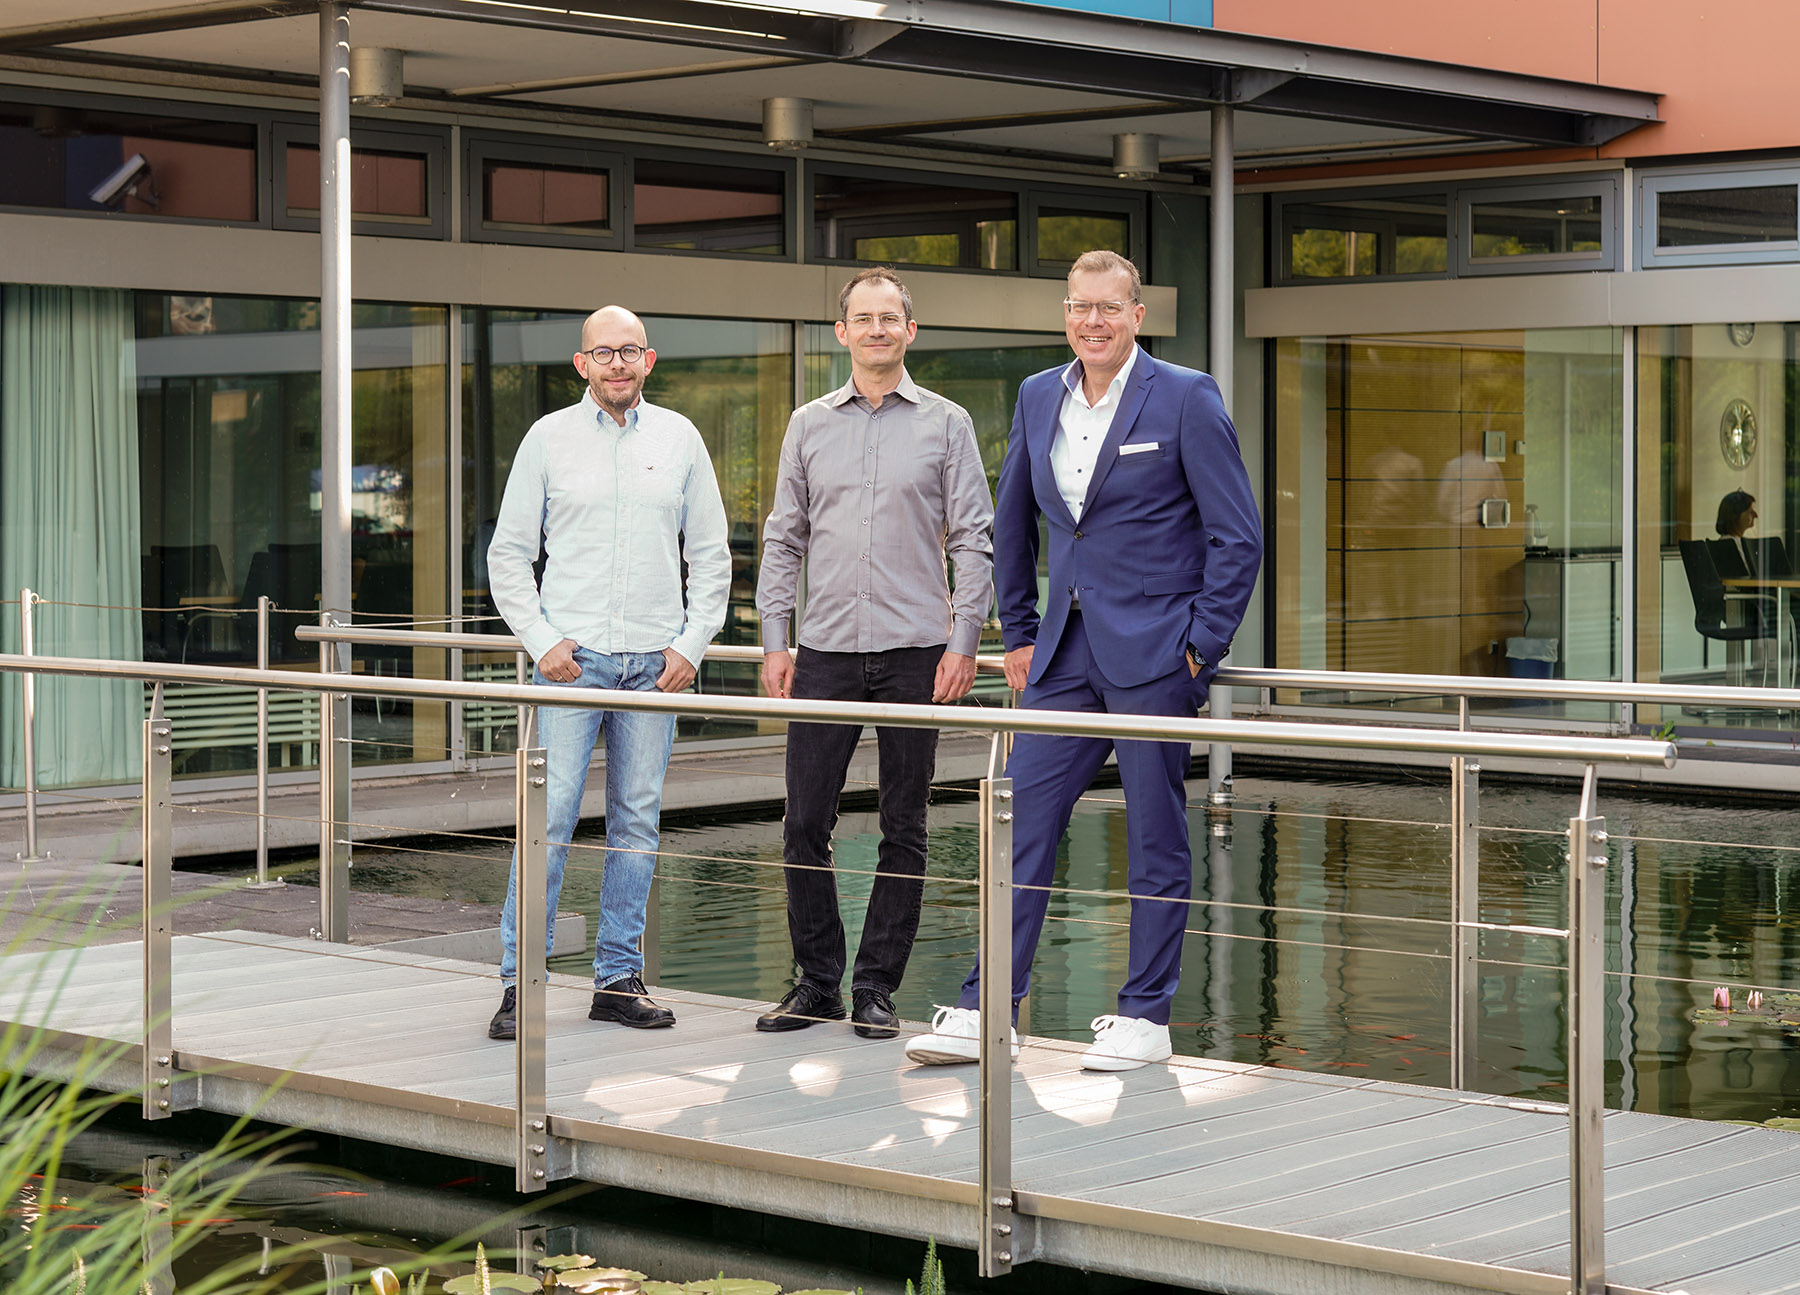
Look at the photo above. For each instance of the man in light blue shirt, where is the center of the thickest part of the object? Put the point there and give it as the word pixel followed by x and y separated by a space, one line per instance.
pixel 620 490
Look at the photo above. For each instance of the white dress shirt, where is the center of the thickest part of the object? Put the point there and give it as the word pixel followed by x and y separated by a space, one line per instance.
pixel 1080 432
pixel 619 509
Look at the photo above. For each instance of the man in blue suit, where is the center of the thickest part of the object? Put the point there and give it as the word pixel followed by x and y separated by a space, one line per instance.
pixel 1155 540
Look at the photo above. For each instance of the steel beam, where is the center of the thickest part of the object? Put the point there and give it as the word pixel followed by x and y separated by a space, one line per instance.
pixel 158 842
pixel 997 1252
pixel 531 1127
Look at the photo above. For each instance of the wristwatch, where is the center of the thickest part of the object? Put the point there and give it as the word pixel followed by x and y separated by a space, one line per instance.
pixel 1197 658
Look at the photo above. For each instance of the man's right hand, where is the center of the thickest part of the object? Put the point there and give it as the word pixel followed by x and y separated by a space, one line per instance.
pixel 558 665
pixel 1017 666
pixel 778 674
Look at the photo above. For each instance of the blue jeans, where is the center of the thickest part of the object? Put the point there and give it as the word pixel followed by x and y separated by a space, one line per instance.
pixel 637 757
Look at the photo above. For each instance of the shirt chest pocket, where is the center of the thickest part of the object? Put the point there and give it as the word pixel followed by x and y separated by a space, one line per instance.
pixel 654 481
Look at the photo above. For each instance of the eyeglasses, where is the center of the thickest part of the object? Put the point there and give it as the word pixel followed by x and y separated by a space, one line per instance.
pixel 889 320
pixel 604 354
pixel 1108 309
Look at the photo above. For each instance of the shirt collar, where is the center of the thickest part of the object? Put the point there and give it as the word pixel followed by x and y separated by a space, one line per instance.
pixel 604 419
pixel 907 391
pixel 1071 376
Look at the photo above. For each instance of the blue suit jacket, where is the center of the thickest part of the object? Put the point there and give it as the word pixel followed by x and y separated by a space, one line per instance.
pixel 1170 538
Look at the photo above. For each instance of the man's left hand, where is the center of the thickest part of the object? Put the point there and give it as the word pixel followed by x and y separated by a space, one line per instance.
pixel 955 676
pixel 677 674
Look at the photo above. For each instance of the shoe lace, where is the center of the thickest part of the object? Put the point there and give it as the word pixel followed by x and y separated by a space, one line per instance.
pixel 942 1014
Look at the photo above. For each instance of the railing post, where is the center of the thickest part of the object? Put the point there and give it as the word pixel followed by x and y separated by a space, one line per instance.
pixel 158 839
pixel 650 943
pixel 1465 909
pixel 1587 1022
pixel 334 797
pixel 159 1229
pixel 531 1116
pixel 1218 754
pixel 28 717
pixel 996 1248
pixel 521 675
pixel 262 750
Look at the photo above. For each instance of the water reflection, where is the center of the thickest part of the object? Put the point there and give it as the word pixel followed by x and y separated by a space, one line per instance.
pixel 1327 948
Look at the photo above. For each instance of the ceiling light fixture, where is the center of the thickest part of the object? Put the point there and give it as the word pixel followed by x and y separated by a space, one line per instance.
pixel 787 123
pixel 376 75
pixel 1135 156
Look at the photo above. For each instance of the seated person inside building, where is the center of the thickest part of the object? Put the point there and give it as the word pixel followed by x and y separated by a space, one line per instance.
pixel 1736 556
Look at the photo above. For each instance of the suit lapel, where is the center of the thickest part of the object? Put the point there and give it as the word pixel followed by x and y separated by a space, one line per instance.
pixel 1041 426
pixel 1131 403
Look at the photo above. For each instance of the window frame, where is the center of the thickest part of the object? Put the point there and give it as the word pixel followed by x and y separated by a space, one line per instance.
pixel 430 143
pixel 1281 245
pixel 1132 206
pixel 945 180
pixel 1467 197
pixel 792 228
pixel 1651 185
pixel 480 147
pixel 197 111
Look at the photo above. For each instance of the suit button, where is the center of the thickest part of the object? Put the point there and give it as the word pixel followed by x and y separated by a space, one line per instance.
pixel 1071 588
pixel 1077 534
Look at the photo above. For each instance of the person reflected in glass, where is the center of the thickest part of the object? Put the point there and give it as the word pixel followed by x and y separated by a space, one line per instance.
pixel 880 486
pixel 620 492
pixel 1133 468
pixel 1736 557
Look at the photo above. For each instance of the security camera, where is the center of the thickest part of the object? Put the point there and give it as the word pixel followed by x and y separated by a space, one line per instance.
pixel 124 183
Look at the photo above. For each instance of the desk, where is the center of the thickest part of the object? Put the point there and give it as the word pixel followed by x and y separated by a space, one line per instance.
pixel 1781 586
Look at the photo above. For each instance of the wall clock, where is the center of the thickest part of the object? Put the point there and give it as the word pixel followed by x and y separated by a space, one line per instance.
pixel 1737 433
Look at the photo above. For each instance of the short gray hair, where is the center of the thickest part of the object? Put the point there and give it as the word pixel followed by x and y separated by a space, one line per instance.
pixel 874 274
pixel 1105 261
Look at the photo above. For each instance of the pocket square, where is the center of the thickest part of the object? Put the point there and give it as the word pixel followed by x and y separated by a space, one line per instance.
pixel 1142 447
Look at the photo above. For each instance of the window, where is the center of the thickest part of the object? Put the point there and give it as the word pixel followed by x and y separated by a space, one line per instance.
pixel 1530 229
pixel 708 207
pixel 901 222
pixel 1383 235
pixel 1719 217
pixel 63 156
pixel 527 192
pixel 396 181
pixel 1066 225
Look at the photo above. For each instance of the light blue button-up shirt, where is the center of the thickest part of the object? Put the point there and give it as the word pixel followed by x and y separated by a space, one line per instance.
pixel 618 508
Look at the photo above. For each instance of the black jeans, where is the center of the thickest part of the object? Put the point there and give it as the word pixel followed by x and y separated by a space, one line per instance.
pixel 818 758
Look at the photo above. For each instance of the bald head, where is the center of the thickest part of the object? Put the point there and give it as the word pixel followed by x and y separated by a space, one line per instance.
pixel 617 381
pixel 609 320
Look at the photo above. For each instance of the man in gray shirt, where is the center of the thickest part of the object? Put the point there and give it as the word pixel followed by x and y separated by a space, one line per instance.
pixel 878 482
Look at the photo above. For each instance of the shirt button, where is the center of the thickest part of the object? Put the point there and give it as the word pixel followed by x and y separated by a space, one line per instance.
pixel 862 595
pixel 865 521
pixel 863 558
pixel 868 485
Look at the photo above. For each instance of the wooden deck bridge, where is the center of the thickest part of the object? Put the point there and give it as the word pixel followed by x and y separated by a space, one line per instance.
pixel 1201 1173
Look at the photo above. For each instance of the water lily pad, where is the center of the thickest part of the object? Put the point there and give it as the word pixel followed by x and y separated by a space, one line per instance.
pixel 733 1286
pixel 470 1284
pixel 821 1292
pixel 560 1263
pixel 1782 1122
pixel 664 1288
pixel 592 1280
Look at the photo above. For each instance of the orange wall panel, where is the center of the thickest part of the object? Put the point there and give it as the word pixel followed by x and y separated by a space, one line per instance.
pixel 1539 37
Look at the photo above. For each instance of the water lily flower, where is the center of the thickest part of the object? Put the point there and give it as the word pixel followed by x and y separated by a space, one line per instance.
pixel 1754 1000
pixel 1722 998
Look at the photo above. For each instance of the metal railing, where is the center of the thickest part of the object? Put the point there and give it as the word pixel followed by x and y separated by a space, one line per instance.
pixel 541 1156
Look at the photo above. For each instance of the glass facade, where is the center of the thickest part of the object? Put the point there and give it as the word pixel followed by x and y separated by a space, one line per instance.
pixel 1719 485
pixel 1449 504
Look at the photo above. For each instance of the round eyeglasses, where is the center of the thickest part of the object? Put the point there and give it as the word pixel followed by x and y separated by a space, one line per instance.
pixel 604 354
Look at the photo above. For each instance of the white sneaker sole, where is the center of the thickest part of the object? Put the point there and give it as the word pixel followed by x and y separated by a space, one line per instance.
pixel 1092 1061
pixel 934 1051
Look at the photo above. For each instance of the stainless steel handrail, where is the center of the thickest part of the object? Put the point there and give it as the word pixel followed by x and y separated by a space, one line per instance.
pixel 1579 750
pixel 536 1138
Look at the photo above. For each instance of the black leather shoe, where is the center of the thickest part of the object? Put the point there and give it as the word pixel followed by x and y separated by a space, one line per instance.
pixel 874 1014
pixel 626 1002
pixel 505 1024
pixel 806 1004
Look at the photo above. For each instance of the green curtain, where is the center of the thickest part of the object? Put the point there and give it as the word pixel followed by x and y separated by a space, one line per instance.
pixel 69 525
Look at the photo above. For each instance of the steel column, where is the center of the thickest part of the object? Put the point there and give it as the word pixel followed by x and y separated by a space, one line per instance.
pixel 522 675
pixel 158 829
pixel 1221 326
pixel 1587 1024
pixel 1218 754
pixel 1465 910
pixel 994 1254
pixel 28 718
pixel 531 1114
pixel 334 314
pixel 334 806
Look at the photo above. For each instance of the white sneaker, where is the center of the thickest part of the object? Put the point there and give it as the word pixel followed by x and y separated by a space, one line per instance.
pixel 1126 1043
pixel 955 1037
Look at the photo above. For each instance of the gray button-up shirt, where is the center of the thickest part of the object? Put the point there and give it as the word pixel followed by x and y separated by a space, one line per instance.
pixel 873 499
